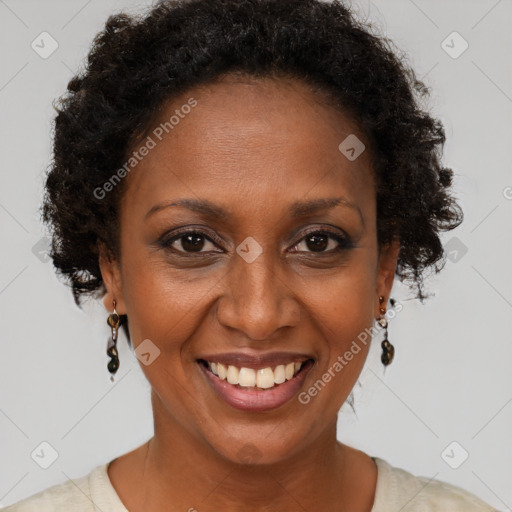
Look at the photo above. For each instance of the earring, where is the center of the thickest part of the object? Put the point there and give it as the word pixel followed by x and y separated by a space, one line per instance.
pixel 388 351
pixel 113 365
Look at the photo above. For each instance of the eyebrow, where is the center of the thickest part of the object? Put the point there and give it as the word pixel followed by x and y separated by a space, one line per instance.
pixel 298 209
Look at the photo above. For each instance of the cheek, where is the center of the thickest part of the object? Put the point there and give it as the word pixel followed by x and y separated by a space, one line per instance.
pixel 162 307
pixel 164 311
pixel 343 302
pixel 341 311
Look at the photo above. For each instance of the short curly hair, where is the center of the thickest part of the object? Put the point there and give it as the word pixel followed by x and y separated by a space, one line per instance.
pixel 139 61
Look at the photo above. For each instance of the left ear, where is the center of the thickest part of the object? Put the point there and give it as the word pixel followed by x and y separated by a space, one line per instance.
pixel 388 258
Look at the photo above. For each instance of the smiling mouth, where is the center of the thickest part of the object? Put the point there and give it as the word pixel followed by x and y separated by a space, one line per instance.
pixel 257 378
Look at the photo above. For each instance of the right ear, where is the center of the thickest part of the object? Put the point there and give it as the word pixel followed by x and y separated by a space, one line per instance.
pixel 111 275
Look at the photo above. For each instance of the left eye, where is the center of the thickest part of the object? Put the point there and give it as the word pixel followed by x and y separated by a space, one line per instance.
pixel 319 241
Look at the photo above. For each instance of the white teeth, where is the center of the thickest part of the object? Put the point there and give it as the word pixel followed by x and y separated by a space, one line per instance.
pixel 247 377
pixel 233 373
pixel 263 378
pixel 222 371
pixel 289 370
pixel 279 374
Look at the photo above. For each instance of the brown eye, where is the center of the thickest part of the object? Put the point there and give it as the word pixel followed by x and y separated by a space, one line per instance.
pixel 323 242
pixel 317 242
pixel 192 242
pixel 189 242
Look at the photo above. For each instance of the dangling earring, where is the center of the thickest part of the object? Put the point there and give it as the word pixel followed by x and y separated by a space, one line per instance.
pixel 388 351
pixel 113 320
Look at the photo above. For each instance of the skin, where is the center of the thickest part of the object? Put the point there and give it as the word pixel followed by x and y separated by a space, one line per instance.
pixel 253 147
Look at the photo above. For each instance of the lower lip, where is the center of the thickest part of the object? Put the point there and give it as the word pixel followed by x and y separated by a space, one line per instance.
pixel 255 399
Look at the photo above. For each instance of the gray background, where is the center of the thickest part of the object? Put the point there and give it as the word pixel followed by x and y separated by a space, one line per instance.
pixel 451 379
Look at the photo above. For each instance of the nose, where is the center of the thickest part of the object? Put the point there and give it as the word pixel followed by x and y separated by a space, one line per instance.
pixel 257 300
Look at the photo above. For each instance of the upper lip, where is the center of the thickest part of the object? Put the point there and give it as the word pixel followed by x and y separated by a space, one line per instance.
pixel 255 361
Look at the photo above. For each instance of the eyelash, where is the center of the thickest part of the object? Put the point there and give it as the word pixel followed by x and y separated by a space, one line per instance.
pixel 344 242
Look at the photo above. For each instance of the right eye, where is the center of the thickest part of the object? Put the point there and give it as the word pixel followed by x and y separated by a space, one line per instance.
pixel 188 242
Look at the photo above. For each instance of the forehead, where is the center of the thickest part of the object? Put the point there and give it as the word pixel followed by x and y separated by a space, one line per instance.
pixel 252 141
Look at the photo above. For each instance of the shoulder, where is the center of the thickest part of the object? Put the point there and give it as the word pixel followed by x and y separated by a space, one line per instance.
pixel 82 494
pixel 69 495
pixel 398 489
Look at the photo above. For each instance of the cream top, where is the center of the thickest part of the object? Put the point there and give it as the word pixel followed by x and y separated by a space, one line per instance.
pixel 397 490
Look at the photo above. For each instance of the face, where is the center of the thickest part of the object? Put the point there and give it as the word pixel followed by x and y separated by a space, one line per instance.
pixel 271 258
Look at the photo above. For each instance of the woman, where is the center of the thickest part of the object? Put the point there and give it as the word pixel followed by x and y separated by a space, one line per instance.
pixel 241 180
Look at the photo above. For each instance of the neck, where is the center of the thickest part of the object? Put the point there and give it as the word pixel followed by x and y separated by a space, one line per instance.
pixel 186 472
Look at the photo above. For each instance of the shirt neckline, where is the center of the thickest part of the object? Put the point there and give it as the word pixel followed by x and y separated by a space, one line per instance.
pixel 103 492
pixel 384 488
